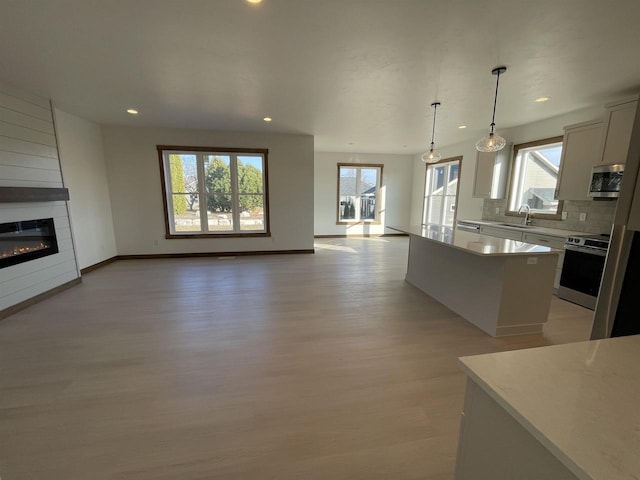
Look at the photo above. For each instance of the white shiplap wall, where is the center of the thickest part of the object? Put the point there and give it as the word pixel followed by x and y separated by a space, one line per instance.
pixel 29 158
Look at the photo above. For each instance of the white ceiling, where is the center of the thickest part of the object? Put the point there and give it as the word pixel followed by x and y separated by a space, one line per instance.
pixel 359 75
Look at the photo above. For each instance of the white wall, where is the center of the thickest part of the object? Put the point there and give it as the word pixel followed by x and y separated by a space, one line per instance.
pixel 469 207
pixel 136 193
pixel 29 158
pixel 85 175
pixel 396 181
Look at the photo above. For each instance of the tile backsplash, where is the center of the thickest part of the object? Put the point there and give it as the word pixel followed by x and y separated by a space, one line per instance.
pixel 599 219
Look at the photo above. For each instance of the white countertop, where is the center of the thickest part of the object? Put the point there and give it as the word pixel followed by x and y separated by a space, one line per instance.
pixel 580 400
pixel 552 232
pixel 475 243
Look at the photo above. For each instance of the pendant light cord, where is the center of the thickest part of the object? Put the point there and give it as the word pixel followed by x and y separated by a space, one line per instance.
pixel 495 101
pixel 435 106
pixel 433 129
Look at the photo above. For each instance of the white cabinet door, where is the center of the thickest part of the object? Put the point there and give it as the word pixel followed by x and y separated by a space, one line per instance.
pixel 501 232
pixel 492 171
pixel 618 132
pixel 581 148
pixel 484 174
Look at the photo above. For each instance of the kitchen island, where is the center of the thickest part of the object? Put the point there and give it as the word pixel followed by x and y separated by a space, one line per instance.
pixel 502 286
pixel 555 413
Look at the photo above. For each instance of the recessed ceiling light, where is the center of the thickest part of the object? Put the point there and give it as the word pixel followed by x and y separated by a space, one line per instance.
pixel 462 126
pixel 542 99
pixel 255 2
pixel 132 111
pixel 267 119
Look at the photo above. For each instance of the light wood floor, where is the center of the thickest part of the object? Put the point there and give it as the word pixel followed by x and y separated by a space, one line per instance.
pixel 325 366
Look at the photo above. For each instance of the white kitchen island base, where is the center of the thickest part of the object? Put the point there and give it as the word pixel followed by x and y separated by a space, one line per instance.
pixel 502 286
pixel 493 445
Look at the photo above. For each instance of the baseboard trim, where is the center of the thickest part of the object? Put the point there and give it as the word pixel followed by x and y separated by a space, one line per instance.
pixel 213 254
pixel 363 235
pixel 98 265
pixel 38 298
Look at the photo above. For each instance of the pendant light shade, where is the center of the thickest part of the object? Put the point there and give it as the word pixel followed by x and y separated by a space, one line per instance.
pixel 490 143
pixel 493 142
pixel 432 156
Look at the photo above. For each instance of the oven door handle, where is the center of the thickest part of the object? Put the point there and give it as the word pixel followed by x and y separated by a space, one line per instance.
pixel 586 250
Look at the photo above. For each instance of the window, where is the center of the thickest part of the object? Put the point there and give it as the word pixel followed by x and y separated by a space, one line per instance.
pixel 214 192
pixel 441 192
pixel 359 193
pixel 535 177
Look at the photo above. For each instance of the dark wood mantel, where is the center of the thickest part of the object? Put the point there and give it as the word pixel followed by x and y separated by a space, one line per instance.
pixel 31 194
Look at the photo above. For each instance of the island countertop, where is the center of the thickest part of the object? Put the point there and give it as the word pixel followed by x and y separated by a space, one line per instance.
pixel 579 400
pixel 478 244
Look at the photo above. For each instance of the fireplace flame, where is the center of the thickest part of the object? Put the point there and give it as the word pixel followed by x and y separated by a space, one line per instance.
pixel 21 250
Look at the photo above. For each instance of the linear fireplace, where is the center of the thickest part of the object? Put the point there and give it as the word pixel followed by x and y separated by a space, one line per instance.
pixel 27 240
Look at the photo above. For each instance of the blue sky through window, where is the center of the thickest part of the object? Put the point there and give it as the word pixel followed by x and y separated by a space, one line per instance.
pixel 553 154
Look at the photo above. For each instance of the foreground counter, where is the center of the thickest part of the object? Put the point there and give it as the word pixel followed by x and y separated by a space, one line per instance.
pixel 502 286
pixel 564 412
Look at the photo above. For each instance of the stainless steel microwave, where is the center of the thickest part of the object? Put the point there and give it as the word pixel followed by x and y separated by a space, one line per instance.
pixel 606 181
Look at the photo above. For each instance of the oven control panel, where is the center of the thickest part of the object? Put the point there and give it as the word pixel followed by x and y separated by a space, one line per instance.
pixel 592 241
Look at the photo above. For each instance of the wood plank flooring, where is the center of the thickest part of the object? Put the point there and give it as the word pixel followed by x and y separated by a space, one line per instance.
pixel 325 366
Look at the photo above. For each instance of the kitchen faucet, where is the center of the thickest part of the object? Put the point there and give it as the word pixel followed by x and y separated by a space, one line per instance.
pixel 527 220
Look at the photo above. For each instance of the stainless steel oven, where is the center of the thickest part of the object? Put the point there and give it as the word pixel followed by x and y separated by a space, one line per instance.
pixel 584 259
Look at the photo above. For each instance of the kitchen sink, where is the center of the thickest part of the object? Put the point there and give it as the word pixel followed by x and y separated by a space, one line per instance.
pixel 515 225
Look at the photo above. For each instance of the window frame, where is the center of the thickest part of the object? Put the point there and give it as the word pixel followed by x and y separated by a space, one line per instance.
pixel 187 150
pixel 424 186
pixel 379 210
pixel 512 180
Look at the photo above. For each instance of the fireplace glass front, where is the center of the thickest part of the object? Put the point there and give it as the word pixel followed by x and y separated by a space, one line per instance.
pixel 27 240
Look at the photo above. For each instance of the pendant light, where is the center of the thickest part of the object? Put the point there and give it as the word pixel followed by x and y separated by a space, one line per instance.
pixel 493 142
pixel 432 156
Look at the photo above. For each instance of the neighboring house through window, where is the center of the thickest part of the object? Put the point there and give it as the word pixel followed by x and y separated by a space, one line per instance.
pixel 359 193
pixel 214 191
pixel 535 177
pixel 441 192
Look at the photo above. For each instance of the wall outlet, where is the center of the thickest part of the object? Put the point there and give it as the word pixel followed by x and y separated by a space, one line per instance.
pixel 497 210
pixel 155 243
pixel 532 260
pixel 583 216
pixel 564 215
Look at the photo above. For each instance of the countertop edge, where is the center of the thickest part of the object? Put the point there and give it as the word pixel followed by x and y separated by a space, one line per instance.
pixel 548 231
pixel 552 251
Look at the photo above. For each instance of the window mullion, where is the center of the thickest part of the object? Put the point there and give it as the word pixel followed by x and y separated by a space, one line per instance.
pixel 358 195
pixel 445 185
pixel 202 193
pixel 427 195
pixel 235 199
pixel 169 188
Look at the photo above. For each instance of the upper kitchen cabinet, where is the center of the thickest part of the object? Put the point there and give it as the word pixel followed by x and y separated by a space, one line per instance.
pixel 619 124
pixel 492 171
pixel 581 150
